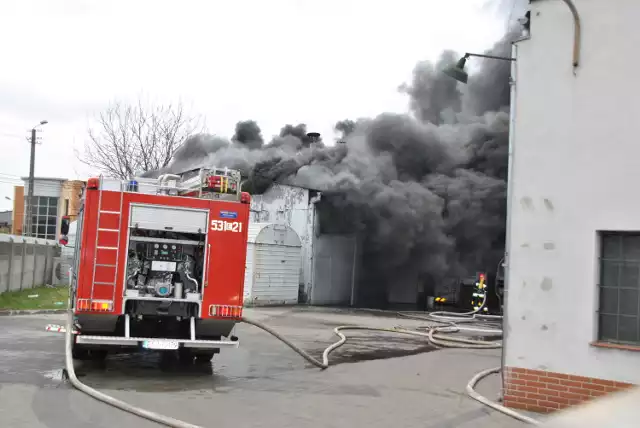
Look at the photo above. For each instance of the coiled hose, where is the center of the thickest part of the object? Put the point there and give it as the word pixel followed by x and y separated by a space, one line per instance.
pixel 482 399
pixel 435 336
pixel 324 364
pixel 146 414
pixel 453 318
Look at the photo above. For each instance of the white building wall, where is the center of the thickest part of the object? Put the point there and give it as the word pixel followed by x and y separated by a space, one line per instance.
pixel 576 164
pixel 51 187
pixel 291 206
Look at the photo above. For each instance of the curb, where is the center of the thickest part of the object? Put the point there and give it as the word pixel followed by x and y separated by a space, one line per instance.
pixel 13 312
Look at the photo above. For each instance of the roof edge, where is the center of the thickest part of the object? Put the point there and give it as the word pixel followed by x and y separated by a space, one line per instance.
pixel 61 180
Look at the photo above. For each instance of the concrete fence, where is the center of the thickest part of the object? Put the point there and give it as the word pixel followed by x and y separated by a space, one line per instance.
pixel 27 262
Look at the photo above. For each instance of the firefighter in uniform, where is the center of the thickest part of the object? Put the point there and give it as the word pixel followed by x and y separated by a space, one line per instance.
pixel 479 293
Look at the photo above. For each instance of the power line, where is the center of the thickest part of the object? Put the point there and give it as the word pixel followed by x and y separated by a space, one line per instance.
pixel 11 180
pixel 6 134
pixel 4 174
pixel 10 175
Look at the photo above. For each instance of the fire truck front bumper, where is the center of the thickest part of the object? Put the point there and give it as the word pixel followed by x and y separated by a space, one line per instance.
pixel 155 343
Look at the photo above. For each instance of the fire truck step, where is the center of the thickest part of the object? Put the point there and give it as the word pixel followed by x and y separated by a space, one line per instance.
pixel 108 230
pixel 110 212
pixel 103 265
pixel 137 341
pixel 107 248
pixel 104 283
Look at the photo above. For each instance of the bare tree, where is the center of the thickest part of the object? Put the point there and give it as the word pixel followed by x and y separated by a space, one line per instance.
pixel 128 139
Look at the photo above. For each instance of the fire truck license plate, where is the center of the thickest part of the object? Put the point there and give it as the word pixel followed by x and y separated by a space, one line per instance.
pixel 161 344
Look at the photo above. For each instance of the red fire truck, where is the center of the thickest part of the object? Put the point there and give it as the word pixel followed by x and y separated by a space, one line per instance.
pixel 159 264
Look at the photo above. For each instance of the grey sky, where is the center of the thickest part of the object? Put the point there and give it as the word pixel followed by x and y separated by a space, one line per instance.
pixel 276 62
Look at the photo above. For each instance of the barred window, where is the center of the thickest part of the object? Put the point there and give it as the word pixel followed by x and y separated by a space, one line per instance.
pixel 619 286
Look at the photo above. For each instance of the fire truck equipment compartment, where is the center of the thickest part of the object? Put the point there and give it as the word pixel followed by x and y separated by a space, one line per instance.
pixel 175 219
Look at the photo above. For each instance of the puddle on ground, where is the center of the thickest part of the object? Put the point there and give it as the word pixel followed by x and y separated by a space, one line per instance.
pixel 368 347
pixel 144 373
pixel 149 372
pixel 369 354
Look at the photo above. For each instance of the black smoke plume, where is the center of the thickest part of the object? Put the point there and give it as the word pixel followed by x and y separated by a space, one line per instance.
pixel 248 134
pixel 424 191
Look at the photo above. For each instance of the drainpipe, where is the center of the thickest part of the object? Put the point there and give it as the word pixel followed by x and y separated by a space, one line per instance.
pixel 577 29
pixel 510 205
pixel 577 33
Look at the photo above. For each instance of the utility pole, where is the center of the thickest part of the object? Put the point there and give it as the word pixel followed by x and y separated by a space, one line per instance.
pixel 32 164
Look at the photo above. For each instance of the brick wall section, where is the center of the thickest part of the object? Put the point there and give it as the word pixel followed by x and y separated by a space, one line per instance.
pixel 18 210
pixel 545 392
pixel 71 191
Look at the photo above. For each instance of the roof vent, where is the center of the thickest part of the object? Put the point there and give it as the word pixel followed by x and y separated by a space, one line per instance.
pixel 313 137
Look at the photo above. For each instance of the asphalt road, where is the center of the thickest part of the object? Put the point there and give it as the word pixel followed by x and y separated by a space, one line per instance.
pixel 378 380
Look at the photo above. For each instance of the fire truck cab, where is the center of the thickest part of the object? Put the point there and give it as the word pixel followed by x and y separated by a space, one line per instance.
pixel 159 264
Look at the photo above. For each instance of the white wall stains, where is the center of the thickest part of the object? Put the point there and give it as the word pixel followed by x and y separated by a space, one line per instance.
pixel 296 208
pixel 292 206
pixel 549 246
pixel 574 162
pixel 527 203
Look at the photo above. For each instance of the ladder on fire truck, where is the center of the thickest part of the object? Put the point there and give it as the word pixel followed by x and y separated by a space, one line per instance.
pixel 101 249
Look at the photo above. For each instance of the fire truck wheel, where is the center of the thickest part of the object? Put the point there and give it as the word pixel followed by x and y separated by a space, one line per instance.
pixel 79 353
pixel 204 357
pixel 185 356
pixel 84 354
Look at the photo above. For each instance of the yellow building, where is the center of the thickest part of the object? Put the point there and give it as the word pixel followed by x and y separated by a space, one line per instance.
pixel 18 210
pixel 53 198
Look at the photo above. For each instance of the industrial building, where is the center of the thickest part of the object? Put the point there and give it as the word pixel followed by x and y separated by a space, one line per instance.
pixel 572 323
pixel 331 263
pixel 6 219
pixel 328 263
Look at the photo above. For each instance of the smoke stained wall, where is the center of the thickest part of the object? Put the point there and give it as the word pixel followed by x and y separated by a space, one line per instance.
pixel 425 191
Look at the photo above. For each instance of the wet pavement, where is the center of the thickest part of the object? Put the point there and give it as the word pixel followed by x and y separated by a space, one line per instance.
pixel 378 379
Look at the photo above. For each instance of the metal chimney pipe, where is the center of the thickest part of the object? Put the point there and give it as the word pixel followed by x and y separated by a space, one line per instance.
pixel 313 137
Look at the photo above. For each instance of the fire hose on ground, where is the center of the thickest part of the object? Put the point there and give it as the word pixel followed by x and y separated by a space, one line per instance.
pixel 435 335
pixel 146 414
